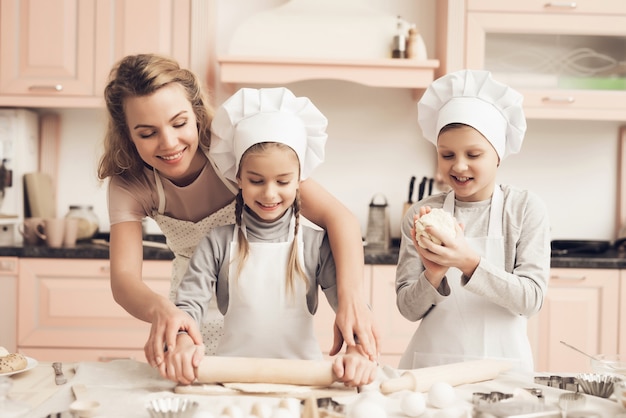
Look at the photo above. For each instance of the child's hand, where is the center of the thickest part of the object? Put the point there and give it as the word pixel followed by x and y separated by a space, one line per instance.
pixel 453 252
pixel 434 271
pixel 354 368
pixel 181 362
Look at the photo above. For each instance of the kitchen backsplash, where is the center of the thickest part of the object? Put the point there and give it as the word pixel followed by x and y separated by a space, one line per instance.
pixel 375 146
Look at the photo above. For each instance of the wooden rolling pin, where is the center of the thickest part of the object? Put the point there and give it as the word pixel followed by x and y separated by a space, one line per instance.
pixel 420 380
pixel 216 369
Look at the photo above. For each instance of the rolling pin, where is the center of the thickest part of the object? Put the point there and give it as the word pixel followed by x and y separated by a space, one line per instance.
pixel 216 369
pixel 420 380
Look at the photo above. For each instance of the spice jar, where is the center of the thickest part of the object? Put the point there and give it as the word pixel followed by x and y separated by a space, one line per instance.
pixel 88 222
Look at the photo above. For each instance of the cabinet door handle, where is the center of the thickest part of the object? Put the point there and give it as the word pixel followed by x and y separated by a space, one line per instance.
pixel 56 87
pixel 561 4
pixel 570 278
pixel 562 99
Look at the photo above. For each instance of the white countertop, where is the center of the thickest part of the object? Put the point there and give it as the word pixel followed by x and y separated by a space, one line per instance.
pixel 124 386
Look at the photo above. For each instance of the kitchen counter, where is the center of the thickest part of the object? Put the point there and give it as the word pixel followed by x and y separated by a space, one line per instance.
pixel 155 249
pixel 122 387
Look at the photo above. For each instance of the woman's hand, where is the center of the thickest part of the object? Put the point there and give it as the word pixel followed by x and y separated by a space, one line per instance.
pixel 354 324
pixel 354 368
pixel 166 323
pixel 181 361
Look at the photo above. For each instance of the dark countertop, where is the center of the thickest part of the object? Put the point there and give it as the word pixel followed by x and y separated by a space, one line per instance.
pixel 611 259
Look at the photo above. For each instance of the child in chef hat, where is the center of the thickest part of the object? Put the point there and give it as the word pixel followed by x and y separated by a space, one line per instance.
pixel 266 269
pixel 473 292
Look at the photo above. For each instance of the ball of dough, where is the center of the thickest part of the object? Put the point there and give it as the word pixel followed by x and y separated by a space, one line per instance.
pixel 12 362
pixel 413 404
pixel 4 352
pixel 366 408
pixel 439 219
pixel 441 395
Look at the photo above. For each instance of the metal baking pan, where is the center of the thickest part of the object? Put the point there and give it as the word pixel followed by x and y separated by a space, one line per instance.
pixel 565 247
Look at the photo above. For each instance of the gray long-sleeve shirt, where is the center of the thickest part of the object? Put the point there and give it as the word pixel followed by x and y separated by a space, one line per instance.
pixel 207 273
pixel 520 287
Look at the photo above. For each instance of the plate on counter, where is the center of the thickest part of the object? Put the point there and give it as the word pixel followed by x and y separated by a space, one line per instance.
pixel 31 363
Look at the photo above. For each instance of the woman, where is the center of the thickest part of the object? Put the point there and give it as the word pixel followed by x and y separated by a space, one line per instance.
pixel 156 156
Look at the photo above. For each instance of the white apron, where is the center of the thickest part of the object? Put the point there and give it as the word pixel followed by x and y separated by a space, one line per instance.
pixel 261 312
pixel 182 238
pixel 466 326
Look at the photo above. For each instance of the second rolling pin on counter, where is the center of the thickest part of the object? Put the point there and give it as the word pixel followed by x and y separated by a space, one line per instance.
pixel 420 380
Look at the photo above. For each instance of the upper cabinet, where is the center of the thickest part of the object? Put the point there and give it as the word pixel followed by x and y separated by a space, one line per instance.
pixel 58 53
pixel 303 40
pixel 568 59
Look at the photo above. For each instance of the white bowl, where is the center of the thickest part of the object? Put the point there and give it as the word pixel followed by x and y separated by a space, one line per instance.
pixel 609 363
pixel 171 407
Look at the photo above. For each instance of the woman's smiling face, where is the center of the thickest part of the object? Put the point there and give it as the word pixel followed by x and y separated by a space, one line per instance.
pixel 163 128
pixel 468 162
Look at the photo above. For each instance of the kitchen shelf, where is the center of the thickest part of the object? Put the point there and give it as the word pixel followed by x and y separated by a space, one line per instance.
pixel 396 73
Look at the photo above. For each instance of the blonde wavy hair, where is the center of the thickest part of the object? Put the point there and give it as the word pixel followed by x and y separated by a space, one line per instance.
pixel 136 76
pixel 294 268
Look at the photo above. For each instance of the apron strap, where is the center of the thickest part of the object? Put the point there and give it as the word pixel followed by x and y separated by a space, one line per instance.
pixel 160 192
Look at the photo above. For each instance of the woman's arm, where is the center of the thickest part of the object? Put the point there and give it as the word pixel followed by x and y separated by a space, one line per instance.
pixel 354 318
pixel 130 292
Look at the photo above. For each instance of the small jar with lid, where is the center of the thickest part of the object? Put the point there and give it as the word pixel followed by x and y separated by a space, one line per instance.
pixel 88 222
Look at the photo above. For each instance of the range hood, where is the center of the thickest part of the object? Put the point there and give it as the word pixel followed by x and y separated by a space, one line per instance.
pixel 325 29
pixel 321 39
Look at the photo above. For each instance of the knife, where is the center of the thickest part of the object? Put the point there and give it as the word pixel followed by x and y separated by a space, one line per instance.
pixel 422 188
pixel 430 186
pixel 59 378
pixel 411 187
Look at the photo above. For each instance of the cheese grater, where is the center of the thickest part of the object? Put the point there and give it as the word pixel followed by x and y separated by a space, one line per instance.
pixel 378 224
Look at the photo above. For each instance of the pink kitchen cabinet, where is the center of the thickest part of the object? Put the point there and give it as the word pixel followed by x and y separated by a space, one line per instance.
pixel 66 311
pixel 8 303
pixel 564 57
pixel 622 315
pixel 58 53
pixel 395 331
pixel 581 308
pixel 325 316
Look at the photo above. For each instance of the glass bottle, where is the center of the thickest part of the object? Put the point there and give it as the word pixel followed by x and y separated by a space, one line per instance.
pixel 88 223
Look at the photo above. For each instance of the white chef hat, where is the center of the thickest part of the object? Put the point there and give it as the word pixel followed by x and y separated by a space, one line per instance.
pixel 251 116
pixel 474 98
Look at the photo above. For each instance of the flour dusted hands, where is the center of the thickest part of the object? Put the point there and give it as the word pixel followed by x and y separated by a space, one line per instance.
pixel 354 368
pixel 436 218
pixel 439 249
pixel 167 321
pixel 182 360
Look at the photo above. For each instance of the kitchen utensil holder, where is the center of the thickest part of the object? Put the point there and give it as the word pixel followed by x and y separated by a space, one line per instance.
pixel 378 234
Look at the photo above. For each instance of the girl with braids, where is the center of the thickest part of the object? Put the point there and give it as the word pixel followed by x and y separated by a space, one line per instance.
pixel 156 157
pixel 266 269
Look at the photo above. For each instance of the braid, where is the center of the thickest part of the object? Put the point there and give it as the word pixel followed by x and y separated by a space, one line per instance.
pixel 293 265
pixel 243 242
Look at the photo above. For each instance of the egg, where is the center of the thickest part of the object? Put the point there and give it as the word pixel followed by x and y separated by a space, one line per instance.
pixel 413 404
pixel 283 413
pixel 261 410
pixel 441 395
pixel 203 414
pixel 233 411
pixel 366 408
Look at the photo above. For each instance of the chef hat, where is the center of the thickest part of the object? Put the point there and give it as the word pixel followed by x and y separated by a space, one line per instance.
pixel 474 98
pixel 251 116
